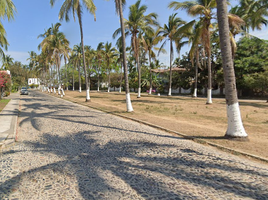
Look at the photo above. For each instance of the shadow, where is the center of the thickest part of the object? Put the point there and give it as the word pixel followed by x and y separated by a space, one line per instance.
pixel 109 160
pixel 257 105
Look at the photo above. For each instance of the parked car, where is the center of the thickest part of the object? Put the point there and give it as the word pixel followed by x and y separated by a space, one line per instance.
pixel 24 90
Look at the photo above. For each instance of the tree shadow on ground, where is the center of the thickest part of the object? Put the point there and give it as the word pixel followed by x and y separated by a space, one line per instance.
pixel 257 105
pixel 138 169
pixel 107 166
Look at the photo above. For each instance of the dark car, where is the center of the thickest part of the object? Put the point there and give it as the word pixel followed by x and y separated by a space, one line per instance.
pixel 24 90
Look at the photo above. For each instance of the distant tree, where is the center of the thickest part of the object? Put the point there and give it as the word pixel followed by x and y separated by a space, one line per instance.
pixel 76 7
pixel 137 23
pixel 251 58
pixel 7 61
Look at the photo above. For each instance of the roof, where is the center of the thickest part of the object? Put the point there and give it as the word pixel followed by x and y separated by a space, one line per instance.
pixel 177 69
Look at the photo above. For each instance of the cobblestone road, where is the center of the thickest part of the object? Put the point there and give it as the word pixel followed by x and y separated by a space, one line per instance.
pixel 67 151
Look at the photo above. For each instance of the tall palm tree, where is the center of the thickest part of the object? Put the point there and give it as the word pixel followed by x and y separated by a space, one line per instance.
pixel 7 61
pixel 76 6
pixel 77 49
pixel 202 8
pixel 33 61
pixel 136 24
pixel 109 53
pixel 171 32
pixel 89 55
pixel 99 58
pixel 56 44
pixel 149 42
pixel 119 9
pixel 235 125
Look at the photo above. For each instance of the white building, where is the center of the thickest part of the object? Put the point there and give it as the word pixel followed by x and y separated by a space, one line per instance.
pixel 35 81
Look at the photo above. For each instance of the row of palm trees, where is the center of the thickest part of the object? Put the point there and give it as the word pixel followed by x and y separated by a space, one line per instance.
pixel 146 34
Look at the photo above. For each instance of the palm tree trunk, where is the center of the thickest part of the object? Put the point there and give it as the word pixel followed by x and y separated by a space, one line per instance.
pixel 128 99
pixel 66 82
pixel 170 69
pixel 235 126
pixel 83 52
pixel 109 77
pixel 79 76
pixel 73 79
pixel 196 73
pixel 121 78
pixel 209 92
pixel 139 76
pixel 151 74
pixel 98 76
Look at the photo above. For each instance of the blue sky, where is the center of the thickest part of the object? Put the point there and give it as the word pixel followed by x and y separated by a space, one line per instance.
pixel 34 16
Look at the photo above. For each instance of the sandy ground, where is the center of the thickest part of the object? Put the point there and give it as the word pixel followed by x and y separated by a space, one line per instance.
pixel 189 116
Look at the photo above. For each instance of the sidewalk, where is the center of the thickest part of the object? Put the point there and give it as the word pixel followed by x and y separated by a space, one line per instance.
pixel 8 120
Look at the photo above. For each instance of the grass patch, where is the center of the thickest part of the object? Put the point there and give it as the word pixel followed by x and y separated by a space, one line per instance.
pixel 3 103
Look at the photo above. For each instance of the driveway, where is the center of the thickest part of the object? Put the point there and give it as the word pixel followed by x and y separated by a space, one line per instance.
pixel 68 151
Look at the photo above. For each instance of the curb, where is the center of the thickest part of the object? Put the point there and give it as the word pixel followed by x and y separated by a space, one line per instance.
pixel 200 141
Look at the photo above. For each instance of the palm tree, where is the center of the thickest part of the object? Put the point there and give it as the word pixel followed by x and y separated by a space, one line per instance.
pixel 89 54
pixel 136 24
pixel 171 32
pixel 118 4
pixel 235 125
pixel 253 13
pixel 149 42
pixel 109 53
pixel 77 49
pixel 56 45
pixel 8 11
pixel 33 61
pixel 76 6
pixel 7 61
pixel 99 58
pixel 202 8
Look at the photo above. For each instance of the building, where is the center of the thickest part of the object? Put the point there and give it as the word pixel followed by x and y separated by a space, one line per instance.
pixel 35 81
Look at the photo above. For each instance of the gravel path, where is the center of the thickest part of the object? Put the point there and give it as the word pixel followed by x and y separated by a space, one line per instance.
pixel 67 151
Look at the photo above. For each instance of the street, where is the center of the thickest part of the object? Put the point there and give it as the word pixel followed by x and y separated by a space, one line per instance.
pixel 69 151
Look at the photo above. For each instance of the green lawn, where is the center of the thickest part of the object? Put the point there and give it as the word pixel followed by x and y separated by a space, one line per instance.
pixel 3 103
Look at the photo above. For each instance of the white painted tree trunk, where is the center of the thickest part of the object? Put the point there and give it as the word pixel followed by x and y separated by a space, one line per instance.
pixel 59 93
pixel 80 90
pixel 63 93
pixel 51 90
pixel 129 105
pixel 139 93
pixel 48 90
pixel 54 90
pixel 150 91
pixel 87 97
pixel 169 92
pixel 235 125
pixel 195 92
pixel 108 89
pixel 73 87
pixel 98 89
pixel 209 96
pixel 120 89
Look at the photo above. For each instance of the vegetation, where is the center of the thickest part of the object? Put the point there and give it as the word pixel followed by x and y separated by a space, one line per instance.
pixel 204 66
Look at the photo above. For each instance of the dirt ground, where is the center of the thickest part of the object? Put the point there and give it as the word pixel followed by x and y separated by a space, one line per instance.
pixel 189 116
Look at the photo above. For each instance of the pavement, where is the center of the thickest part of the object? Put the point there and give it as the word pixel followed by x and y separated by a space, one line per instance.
pixel 69 151
pixel 8 120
